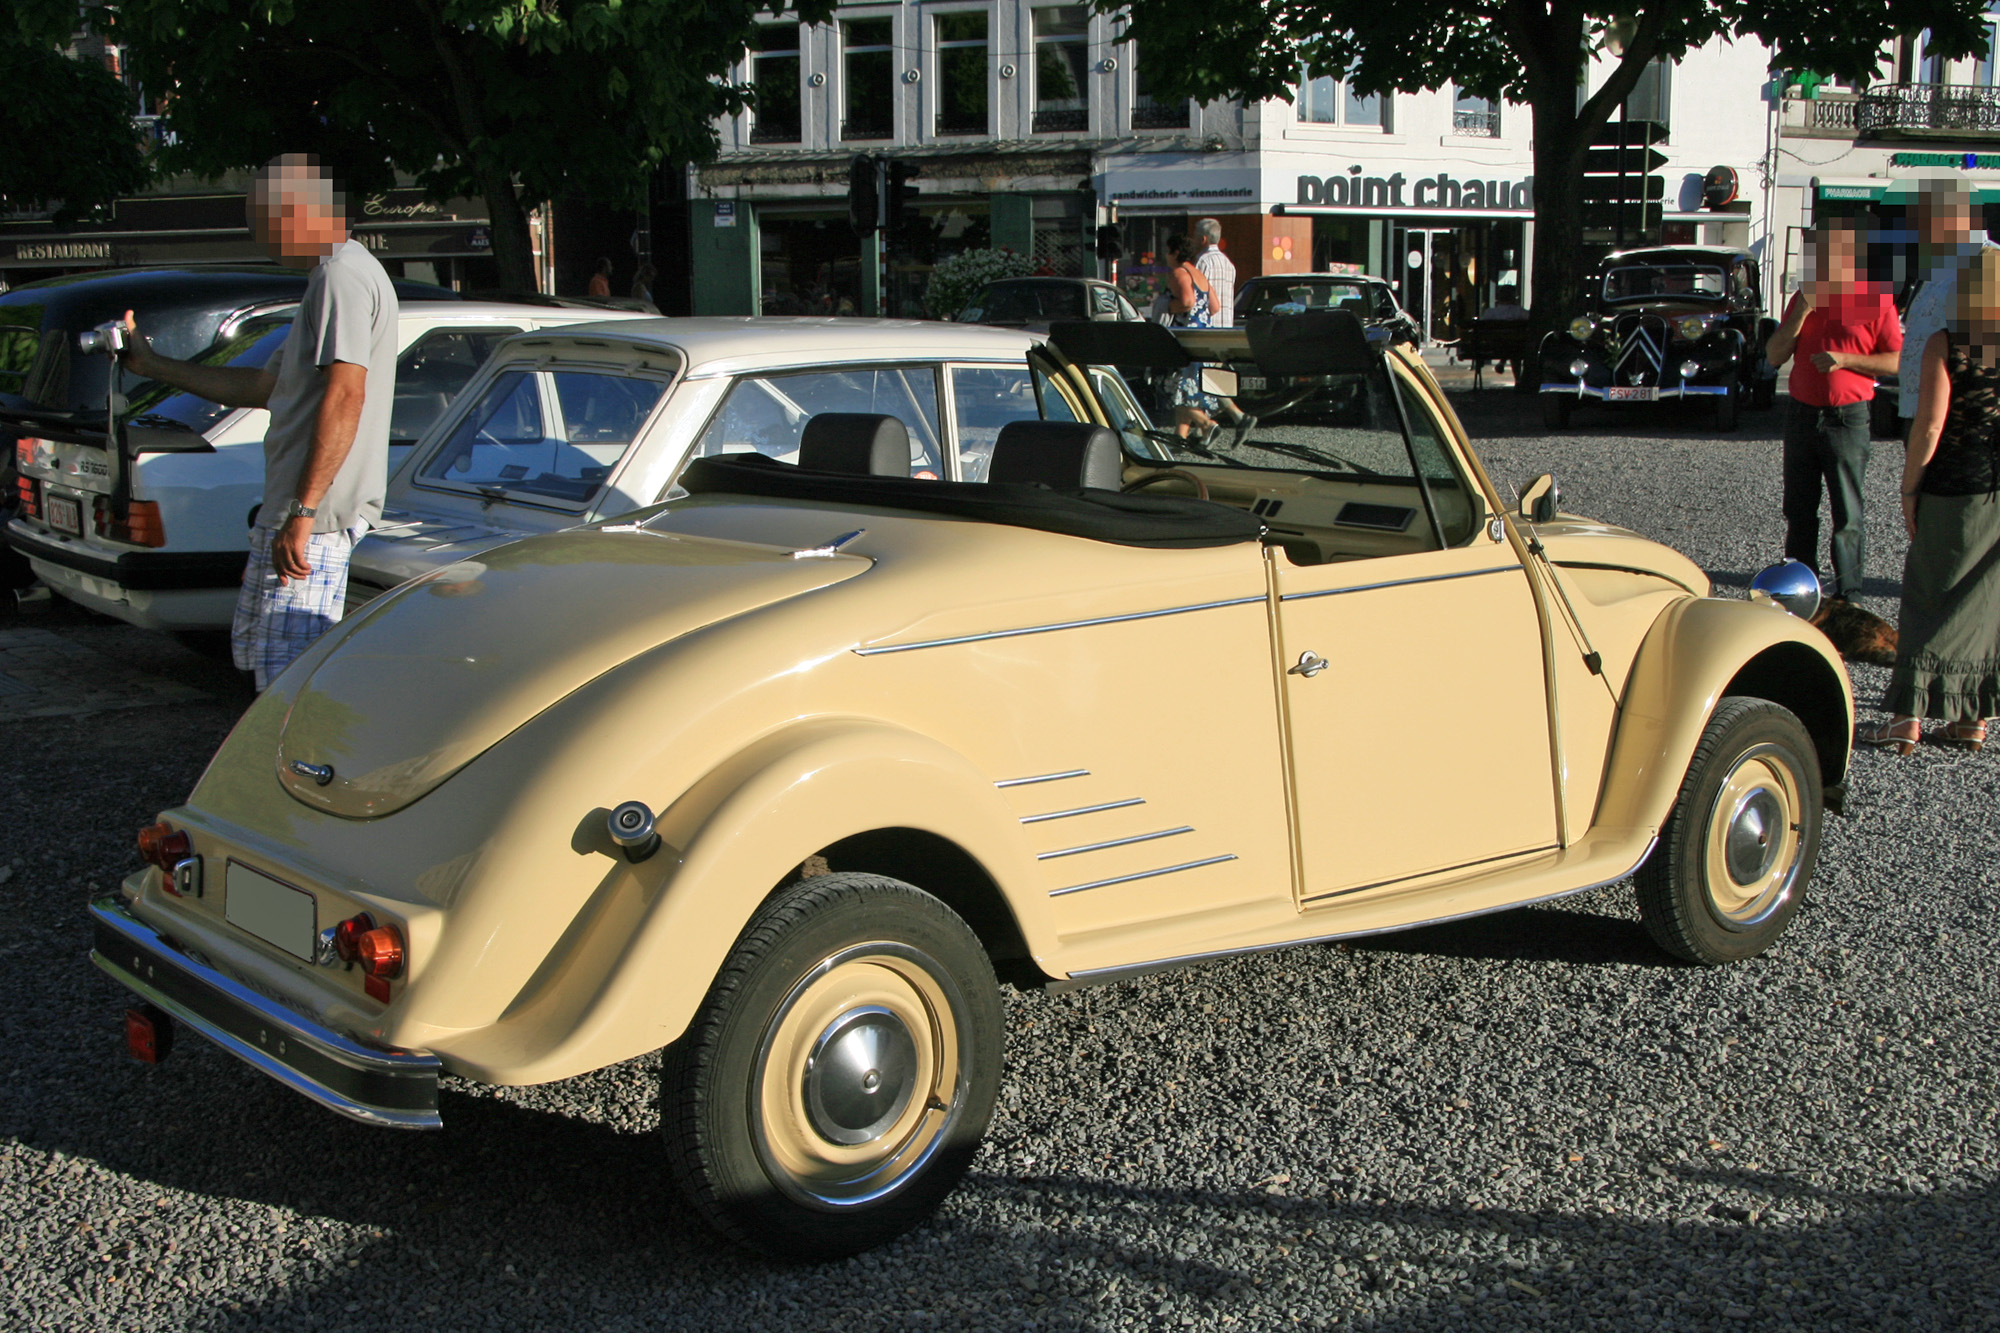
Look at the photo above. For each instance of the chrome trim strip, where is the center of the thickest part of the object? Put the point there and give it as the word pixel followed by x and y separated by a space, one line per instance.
pixel 111 914
pixel 1044 777
pixel 1050 629
pixel 1447 870
pixel 1115 842
pixel 1083 810
pixel 1184 960
pixel 1399 583
pixel 1143 874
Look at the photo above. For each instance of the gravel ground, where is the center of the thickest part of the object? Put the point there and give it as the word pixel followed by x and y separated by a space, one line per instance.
pixel 1527 1120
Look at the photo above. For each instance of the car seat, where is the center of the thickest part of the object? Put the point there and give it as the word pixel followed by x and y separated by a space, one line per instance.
pixel 869 444
pixel 1062 455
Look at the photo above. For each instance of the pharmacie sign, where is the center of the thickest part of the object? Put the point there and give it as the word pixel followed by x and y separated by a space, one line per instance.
pixel 1442 191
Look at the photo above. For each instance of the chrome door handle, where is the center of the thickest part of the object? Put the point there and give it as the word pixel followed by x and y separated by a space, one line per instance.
pixel 1310 664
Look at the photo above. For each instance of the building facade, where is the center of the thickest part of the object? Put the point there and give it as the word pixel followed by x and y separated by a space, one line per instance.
pixel 1033 126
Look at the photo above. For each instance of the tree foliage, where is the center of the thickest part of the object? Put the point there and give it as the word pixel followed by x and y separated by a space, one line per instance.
pixel 513 101
pixel 1532 51
pixel 69 144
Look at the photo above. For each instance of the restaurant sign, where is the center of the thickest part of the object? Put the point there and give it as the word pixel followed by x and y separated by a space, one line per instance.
pixel 1442 191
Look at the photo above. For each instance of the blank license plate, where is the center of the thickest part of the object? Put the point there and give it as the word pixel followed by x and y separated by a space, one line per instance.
pixel 1252 382
pixel 275 913
pixel 1635 394
pixel 65 515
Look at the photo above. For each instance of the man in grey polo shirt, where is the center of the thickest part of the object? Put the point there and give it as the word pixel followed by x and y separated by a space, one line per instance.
pixel 1947 241
pixel 330 389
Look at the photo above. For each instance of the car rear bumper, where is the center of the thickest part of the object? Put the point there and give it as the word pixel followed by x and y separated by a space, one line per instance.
pixel 145 571
pixel 375 1086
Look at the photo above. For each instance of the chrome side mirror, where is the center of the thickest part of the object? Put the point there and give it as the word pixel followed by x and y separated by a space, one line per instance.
pixel 1218 381
pixel 1790 585
pixel 1539 499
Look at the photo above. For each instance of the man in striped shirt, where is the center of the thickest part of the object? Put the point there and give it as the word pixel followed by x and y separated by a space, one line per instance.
pixel 1221 274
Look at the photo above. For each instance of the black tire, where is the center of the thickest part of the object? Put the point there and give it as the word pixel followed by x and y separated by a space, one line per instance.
pixel 772 1162
pixel 1729 407
pixel 1556 409
pixel 1692 897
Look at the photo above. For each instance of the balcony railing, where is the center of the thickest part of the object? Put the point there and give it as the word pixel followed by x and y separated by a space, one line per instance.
pixel 1061 121
pixel 1150 115
pixel 866 128
pixel 963 123
pixel 1476 124
pixel 769 129
pixel 1928 110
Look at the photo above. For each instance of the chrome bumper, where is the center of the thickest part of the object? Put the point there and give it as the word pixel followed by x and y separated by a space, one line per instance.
pixel 1678 391
pixel 365 1083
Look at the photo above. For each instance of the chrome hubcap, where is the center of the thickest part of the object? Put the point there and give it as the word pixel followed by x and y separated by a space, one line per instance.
pixel 860 1076
pixel 1751 842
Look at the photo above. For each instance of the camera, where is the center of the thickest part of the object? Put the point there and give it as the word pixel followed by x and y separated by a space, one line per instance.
pixel 108 337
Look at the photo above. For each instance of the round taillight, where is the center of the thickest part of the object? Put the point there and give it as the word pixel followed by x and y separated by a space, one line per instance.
pixel 163 845
pixel 380 951
pixel 347 935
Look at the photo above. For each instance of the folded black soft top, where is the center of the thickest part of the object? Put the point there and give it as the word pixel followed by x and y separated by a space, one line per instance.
pixel 1100 515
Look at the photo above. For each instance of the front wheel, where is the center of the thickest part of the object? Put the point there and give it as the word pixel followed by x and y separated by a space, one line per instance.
pixel 1734 859
pixel 841 1072
pixel 1729 405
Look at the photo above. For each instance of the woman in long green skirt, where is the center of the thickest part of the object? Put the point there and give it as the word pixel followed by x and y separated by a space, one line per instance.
pixel 1948 641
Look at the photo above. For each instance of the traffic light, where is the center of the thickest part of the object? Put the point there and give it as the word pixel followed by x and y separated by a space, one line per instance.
pixel 864 195
pixel 1110 244
pixel 899 196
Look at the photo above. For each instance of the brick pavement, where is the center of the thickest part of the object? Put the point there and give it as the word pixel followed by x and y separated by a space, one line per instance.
pixel 43 674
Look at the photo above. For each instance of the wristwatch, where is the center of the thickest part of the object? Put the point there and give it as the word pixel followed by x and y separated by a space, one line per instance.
pixel 297 510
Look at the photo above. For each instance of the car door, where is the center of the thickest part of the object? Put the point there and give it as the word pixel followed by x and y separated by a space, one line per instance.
pixel 1413 690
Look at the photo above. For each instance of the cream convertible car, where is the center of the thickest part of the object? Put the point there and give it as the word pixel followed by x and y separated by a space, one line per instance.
pixel 780 776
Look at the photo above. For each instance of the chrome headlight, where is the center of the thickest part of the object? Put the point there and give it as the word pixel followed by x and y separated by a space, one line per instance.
pixel 1791 585
pixel 1691 327
pixel 1690 368
pixel 1580 327
pixel 1578 366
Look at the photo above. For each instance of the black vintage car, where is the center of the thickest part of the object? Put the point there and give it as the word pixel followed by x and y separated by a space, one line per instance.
pixel 1683 321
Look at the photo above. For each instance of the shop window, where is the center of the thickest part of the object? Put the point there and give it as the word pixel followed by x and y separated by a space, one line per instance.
pixel 1982 72
pixel 774 69
pixel 1474 117
pixel 1058 242
pixel 1148 111
pixel 1325 100
pixel 962 97
pixel 1062 69
pixel 868 79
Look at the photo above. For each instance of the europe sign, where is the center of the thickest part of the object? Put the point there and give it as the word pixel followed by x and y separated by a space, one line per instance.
pixel 1443 190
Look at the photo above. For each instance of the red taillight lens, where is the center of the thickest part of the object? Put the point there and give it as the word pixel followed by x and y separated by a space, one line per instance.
pixel 348 933
pixel 29 492
pixel 141 525
pixel 149 1034
pixel 163 845
pixel 380 951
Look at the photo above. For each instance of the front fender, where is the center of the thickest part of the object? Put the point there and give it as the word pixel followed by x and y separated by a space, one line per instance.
pixel 1699 650
pixel 633 969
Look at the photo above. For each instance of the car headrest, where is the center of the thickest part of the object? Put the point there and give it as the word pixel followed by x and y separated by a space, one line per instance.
pixel 1061 455
pixel 868 444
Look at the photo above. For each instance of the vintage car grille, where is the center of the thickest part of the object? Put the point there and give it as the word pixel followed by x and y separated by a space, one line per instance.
pixel 1642 349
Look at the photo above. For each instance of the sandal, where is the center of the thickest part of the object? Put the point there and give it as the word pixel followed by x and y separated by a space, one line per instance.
pixel 1903 733
pixel 1972 735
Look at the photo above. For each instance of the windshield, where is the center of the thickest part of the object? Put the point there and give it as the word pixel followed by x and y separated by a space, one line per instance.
pixel 557 435
pixel 1002 302
pixel 1652 282
pixel 1277 298
pixel 252 346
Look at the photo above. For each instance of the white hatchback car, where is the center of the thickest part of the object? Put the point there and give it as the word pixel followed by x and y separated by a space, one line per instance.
pixel 567 427
pixel 192 474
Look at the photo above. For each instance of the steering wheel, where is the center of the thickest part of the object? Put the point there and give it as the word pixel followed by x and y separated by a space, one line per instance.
pixel 1169 474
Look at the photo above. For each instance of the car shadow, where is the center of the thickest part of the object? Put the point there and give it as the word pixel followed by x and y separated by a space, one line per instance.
pixel 1530 934
pixel 1498 412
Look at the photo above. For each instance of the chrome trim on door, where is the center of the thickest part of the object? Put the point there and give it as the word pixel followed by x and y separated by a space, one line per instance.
pixel 1083 810
pixel 1044 777
pixel 1115 842
pixel 1143 874
pixel 1399 583
pixel 1050 629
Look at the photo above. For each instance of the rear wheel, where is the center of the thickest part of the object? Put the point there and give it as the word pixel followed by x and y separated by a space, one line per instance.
pixel 841 1072
pixel 1556 409
pixel 1734 859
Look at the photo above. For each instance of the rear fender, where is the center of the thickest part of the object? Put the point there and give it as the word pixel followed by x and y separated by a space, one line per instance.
pixel 1698 651
pixel 637 963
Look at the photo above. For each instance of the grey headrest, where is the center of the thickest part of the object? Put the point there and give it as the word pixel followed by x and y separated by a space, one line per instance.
pixel 865 443
pixel 1062 455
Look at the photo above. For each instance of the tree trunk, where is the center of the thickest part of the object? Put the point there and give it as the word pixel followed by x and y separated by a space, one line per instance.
pixel 1558 215
pixel 513 247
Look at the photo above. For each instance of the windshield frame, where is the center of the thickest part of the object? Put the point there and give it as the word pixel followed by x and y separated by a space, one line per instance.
pixel 1719 296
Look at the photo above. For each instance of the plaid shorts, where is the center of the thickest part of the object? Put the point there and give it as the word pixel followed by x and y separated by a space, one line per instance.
pixel 277 620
